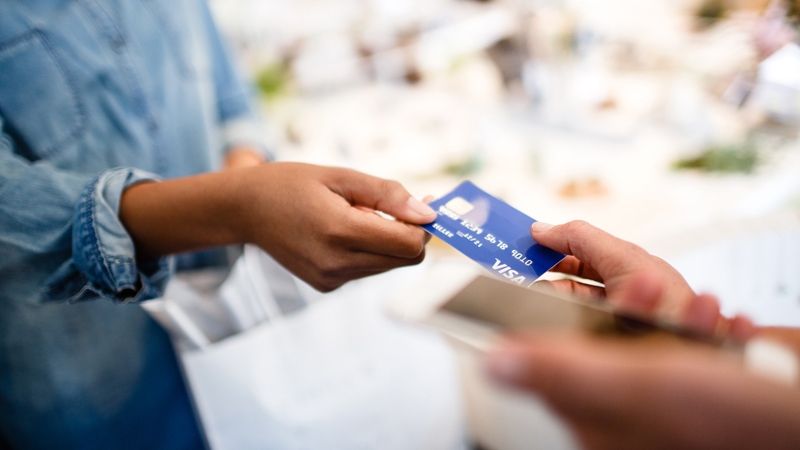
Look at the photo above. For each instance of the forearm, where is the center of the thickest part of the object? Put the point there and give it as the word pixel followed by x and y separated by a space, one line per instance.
pixel 311 219
pixel 183 214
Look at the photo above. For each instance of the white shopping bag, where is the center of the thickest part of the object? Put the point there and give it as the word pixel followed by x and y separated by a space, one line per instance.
pixel 313 371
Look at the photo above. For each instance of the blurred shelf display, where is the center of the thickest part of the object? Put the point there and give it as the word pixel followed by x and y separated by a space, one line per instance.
pixel 670 123
pixel 568 109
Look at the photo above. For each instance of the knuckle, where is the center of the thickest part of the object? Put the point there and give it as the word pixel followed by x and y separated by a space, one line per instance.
pixel 340 174
pixel 419 258
pixel 391 191
pixel 575 234
pixel 325 285
pixel 328 276
pixel 578 226
pixel 391 186
pixel 413 247
pixel 634 251
pixel 338 231
pixel 329 268
pixel 411 261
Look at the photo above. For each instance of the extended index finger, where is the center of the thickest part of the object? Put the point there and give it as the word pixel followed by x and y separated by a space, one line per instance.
pixel 596 253
pixel 368 232
pixel 388 196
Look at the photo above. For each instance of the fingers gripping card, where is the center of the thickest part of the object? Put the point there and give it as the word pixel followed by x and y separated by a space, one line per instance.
pixel 491 233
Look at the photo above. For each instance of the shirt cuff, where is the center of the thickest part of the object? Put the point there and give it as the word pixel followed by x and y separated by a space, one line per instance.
pixel 103 262
pixel 246 131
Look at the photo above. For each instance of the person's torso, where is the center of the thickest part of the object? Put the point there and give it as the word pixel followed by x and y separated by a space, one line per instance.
pixel 89 85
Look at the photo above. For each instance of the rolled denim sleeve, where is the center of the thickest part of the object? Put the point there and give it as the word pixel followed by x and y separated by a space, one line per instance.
pixel 103 259
pixel 61 238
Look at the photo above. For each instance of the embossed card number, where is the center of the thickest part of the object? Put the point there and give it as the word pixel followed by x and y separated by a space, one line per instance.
pixel 491 233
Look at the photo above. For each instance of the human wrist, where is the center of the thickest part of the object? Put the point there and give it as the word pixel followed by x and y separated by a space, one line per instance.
pixel 244 191
pixel 184 214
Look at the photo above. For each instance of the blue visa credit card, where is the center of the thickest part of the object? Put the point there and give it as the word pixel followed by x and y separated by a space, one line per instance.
pixel 491 233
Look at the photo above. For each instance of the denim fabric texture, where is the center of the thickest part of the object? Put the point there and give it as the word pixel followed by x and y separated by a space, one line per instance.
pixel 95 96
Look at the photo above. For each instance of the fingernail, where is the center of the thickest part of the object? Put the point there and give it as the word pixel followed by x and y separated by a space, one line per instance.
pixel 420 208
pixel 540 227
pixel 703 314
pixel 742 328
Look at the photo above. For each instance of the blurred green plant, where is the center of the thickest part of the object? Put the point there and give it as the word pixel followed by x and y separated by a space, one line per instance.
pixel 733 158
pixel 273 80
pixel 793 9
pixel 461 168
pixel 712 10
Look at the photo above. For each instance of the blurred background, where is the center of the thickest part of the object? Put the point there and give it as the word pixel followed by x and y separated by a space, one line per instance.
pixel 670 123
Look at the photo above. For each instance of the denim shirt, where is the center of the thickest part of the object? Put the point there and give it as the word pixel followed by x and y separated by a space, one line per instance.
pixel 96 95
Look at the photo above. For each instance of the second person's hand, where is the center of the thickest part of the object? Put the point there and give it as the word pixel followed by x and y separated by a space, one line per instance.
pixel 633 279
